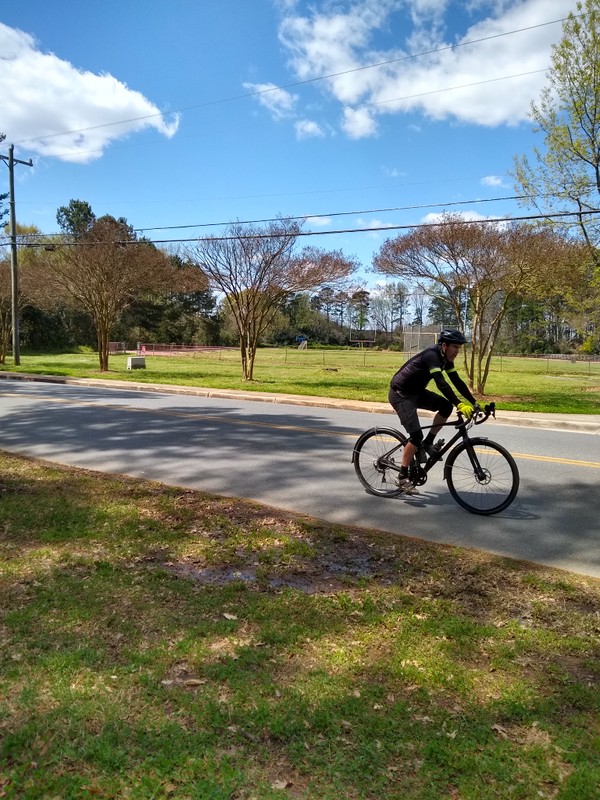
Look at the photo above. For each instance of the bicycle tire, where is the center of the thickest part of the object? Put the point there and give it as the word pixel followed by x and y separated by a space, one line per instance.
pixel 488 495
pixel 376 473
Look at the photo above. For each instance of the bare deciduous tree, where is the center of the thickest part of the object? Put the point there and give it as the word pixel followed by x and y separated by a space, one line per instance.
pixel 388 308
pixel 256 269
pixel 104 267
pixel 32 283
pixel 488 263
pixel 564 175
pixel 5 309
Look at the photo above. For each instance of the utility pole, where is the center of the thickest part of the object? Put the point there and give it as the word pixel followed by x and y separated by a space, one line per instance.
pixel 10 160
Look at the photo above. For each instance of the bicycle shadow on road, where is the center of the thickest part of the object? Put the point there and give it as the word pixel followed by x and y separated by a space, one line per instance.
pixel 423 501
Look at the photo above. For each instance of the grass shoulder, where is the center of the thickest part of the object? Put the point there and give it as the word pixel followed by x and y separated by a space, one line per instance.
pixel 162 642
pixel 517 384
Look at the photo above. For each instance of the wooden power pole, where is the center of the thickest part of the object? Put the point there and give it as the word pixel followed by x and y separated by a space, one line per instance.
pixel 14 272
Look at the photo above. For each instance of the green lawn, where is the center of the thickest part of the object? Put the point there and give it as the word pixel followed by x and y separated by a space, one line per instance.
pixel 519 384
pixel 163 643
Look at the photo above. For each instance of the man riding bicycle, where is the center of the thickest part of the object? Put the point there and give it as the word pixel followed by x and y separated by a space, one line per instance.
pixel 408 392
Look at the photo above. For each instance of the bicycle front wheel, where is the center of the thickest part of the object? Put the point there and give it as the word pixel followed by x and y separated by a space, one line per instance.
pixel 377 457
pixel 482 476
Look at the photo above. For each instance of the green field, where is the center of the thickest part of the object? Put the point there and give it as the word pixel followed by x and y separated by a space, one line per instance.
pixel 518 384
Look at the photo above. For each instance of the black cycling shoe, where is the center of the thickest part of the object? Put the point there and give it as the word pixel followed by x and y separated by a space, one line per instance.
pixel 407 485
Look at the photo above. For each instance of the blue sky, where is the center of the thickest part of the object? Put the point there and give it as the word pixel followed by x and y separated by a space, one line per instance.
pixel 193 112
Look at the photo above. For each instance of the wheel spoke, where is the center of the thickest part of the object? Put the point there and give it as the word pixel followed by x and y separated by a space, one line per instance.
pixel 485 480
pixel 377 458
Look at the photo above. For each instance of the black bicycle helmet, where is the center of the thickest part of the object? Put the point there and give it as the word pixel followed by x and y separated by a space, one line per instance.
pixel 451 337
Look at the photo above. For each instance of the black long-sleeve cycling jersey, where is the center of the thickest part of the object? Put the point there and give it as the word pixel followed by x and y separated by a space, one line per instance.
pixel 430 364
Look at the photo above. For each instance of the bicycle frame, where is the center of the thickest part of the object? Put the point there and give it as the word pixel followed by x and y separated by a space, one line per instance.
pixel 482 476
pixel 463 426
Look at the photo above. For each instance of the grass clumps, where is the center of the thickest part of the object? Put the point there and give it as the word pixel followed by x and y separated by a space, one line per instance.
pixel 160 642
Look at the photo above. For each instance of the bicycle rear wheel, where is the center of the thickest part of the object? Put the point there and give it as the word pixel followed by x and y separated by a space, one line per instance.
pixel 377 457
pixel 482 476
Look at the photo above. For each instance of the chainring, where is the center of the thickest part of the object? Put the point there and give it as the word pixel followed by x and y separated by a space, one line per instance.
pixel 418 476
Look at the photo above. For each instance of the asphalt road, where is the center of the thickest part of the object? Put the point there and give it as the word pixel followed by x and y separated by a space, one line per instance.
pixel 299 458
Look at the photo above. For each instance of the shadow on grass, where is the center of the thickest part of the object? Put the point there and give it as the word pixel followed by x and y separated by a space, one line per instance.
pixel 133 666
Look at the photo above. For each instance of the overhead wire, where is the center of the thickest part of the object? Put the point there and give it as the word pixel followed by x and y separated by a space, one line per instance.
pixel 295 84
pixel 267 235
pixel 327 215
pixel 340 213
pixel 453 88
pixel 307 216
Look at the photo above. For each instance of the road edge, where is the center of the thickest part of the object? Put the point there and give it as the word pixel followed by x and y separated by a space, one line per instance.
pixel 580 423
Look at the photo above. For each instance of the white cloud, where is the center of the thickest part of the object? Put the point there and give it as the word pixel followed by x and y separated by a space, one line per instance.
pixel 466 216
pixel 285 5
pixel 371 223
pixel 318 222
pixel 43 96
pixel 490 83
pixel 358 123
pixel 372 227
pixel 326 44
pixel 393 172
pixel 308 129
pixel 278 102
pixel 492 180
pixel 281 105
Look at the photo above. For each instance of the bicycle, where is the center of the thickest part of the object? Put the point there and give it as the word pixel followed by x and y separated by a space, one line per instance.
pixel 482 475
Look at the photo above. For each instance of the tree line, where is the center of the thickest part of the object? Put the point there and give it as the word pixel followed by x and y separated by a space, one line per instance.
pixel 514 286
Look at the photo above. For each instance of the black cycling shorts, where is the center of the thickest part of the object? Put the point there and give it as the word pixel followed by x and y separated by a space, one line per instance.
pixel 406 405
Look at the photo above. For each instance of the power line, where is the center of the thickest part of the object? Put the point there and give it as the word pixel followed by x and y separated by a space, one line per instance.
pixel 454 88
pixel 275 88
pixel 328 215
pixel 295 84
pixel 416 207
pixel 379 228
pixel 334 214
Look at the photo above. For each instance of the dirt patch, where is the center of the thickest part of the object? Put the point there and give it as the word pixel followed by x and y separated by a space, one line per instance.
pixel 331 570
pixel 220 576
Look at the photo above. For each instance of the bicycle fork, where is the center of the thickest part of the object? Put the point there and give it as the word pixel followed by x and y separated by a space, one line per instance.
pixel 478 471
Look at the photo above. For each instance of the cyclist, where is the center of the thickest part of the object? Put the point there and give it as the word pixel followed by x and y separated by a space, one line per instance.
pixel 408 392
